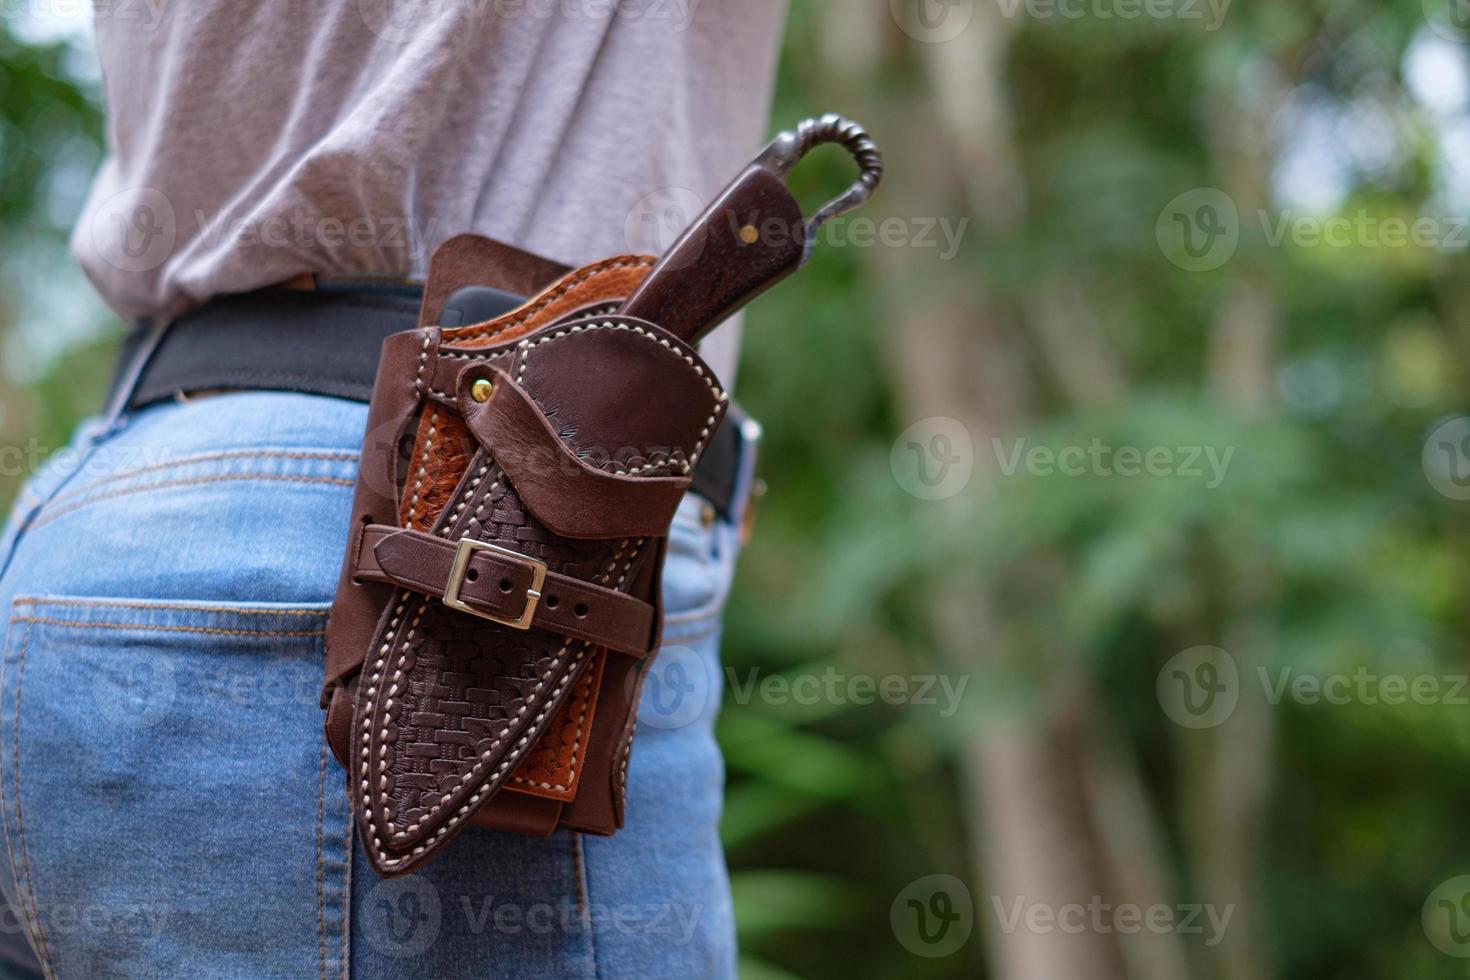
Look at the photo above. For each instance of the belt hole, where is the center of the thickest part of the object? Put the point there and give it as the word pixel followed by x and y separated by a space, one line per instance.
pixel 472 574
pixel 552 601
pixel 580 609
pixel 505 585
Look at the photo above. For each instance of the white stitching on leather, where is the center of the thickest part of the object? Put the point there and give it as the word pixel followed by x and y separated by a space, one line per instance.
pixel 413 503
pixel 576 744
pixel 418 378
pixel 466 356
pixel 418 389
pixel 494 328
pixel 469 494
pixel 493 783
pixel 721 396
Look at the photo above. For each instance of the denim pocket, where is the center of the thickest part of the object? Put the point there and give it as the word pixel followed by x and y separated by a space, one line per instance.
pixel 167 800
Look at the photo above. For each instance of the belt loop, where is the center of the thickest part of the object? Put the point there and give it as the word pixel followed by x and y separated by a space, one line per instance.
pixel 132 372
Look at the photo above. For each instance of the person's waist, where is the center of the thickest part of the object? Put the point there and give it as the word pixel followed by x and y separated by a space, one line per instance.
pixel 326 341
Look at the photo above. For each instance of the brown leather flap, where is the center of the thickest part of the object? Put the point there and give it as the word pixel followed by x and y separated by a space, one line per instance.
pixel 567 494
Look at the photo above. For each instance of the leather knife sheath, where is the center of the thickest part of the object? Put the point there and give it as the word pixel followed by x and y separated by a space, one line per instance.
pixel 500 595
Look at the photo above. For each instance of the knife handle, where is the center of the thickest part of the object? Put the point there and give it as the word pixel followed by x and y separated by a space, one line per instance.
pixel 752 236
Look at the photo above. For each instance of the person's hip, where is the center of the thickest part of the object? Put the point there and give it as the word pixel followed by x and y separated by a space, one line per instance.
pixel 165 590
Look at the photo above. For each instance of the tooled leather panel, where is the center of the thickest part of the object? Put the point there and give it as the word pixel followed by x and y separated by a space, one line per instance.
pixel 552 768
pixel 441 454
pixel 450 704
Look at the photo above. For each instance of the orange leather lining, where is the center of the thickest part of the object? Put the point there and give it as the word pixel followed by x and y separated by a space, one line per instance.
pixel 552 768
pixel 441 454
pixel 605 281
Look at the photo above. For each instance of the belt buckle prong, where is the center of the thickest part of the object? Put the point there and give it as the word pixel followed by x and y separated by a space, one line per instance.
pixel 465 551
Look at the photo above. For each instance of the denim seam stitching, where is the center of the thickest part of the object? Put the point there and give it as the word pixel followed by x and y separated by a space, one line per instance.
pixel 338 456
pixel 344 915
pixel 571 777
pixel 5 796
pixel 47 516
pixel 694 615
pixel 160 606
pixel 208 630
pixel 26 893
pixel 321 897
pixel 584 889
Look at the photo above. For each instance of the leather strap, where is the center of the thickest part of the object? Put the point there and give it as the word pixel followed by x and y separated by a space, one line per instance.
pixel 498 585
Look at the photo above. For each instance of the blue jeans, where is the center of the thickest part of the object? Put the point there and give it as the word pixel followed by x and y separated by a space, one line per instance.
pixel 168 804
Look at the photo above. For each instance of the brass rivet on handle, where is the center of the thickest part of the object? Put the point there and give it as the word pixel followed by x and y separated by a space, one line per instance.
pixel 748 234
pixel 480 391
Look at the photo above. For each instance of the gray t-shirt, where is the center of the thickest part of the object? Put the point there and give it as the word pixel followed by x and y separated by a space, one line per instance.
pixel 249 142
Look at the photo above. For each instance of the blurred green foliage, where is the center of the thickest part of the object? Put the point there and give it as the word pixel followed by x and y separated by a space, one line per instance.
pixel 1346 555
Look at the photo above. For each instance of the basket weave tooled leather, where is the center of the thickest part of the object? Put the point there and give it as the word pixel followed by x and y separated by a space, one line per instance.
pixel 555 441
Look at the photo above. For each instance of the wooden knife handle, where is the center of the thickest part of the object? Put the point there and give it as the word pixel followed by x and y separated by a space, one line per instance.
pixel 751 237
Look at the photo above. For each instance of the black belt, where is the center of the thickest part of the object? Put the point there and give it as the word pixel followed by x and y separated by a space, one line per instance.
pixel 325 341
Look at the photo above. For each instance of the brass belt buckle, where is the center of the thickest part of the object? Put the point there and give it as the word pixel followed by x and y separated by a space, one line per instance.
pixel 467 548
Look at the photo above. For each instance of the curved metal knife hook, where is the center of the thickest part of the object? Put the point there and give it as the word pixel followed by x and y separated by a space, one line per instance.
pixel 787 149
